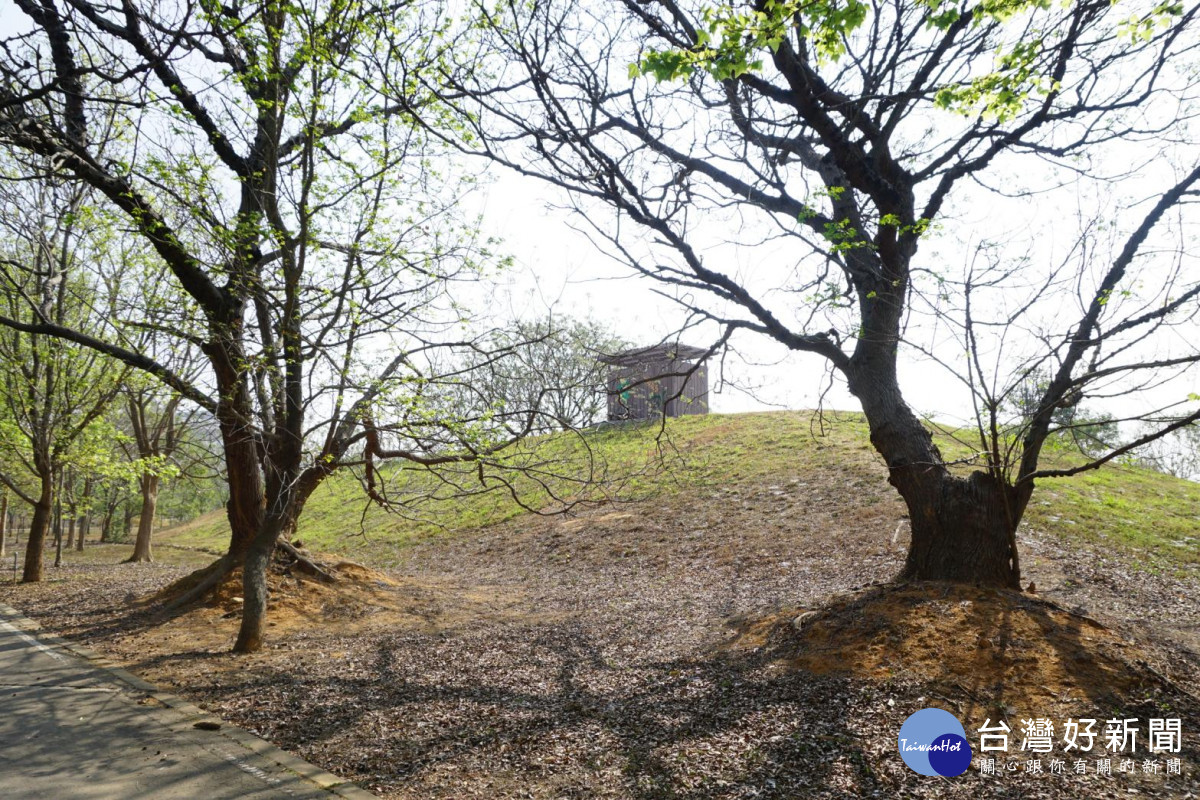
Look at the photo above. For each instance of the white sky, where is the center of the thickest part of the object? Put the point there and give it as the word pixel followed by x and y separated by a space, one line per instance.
pixel 562 268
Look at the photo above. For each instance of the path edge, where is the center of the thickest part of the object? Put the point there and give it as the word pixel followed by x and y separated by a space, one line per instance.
pixel 190 713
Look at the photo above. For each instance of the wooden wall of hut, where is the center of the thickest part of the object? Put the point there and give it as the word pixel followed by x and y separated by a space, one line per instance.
pixel 640 391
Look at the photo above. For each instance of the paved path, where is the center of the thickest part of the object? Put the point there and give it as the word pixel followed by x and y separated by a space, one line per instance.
pixel 72 727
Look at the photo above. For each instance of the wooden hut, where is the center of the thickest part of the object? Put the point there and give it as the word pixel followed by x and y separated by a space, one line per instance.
pixel 649 381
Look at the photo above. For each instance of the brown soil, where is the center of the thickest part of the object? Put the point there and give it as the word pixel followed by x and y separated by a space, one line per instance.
pixel 997 651
pixel 360 600
pixel 651 651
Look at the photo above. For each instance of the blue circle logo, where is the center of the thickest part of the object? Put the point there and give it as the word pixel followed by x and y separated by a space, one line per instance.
pixel 933 742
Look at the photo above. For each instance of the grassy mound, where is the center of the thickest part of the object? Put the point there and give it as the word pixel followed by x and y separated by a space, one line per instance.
pixel 696 457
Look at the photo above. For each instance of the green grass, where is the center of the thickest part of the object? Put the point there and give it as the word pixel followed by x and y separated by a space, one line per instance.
pixel 1125 506
pixel 1122 506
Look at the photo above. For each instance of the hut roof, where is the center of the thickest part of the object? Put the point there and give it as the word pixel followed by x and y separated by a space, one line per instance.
pixel 655 354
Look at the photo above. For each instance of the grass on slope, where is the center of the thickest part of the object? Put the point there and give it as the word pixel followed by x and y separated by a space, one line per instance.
pixel 1120 505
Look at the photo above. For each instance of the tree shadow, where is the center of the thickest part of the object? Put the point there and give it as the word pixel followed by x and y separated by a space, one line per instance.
pixel 567 713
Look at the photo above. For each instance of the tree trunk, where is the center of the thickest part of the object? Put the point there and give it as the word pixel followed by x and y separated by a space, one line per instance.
pixel 246 498
pixel 58 529
pixel 85 520
pixel 127 518
pixel 244 476
pixel 243 469
pixel 39 526
pixel 963 529
pixel 290 496
pixel 3 523
pixel 110 511
pixel 254 583
pixel 141 546
pixel 65 481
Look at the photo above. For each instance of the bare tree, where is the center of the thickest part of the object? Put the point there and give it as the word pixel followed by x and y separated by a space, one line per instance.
pixel 837 136
pixel 265 154
pixel 1178 454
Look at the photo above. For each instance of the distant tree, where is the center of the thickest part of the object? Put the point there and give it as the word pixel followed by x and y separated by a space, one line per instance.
pixel 549 364
pixel 817 146
pixel 1089 432
pixel 94 458
pixel 159 426
pixel 115 501
pixel 199 486
pixel 1177 454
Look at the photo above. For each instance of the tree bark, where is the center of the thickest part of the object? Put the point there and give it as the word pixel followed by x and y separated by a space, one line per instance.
pixel 242 451
pixel 290 496
pixel 58 527
pixel 38 527
pixel 85 520
pixel 141 546
pixel 963 529
pixel 254 587
pixel 246 506
pixel 127 519
pixel 244 470
pixel 110 512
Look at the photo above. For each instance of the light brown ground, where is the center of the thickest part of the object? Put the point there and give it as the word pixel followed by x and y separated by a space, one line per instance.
pixel 362 600
pixel 997 652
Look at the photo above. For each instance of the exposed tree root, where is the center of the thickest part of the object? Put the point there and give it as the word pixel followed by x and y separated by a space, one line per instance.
pixel 205 583
pixel 193 587
pixel 300 562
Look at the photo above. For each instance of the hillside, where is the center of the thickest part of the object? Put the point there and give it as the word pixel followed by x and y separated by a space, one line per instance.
pixel 1119 505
